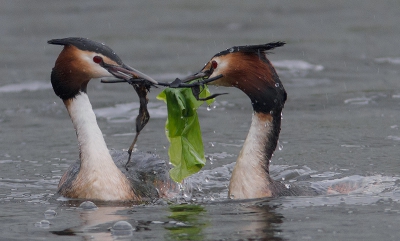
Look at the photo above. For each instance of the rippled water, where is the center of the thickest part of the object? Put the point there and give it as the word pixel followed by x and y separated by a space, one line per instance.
pixel 340 125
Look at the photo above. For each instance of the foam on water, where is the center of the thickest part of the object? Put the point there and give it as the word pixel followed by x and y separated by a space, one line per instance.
pixel 26 86
pixel 394 138
pixel 296 68
pixel 121 113
pixel 358 101
pixel 388 60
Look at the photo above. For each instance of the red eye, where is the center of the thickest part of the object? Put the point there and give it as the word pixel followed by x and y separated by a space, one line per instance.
pixel 97 59
pixel 214 64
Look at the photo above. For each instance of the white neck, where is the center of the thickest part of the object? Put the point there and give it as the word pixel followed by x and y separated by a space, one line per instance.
pixel 250 177
pixel 94 153
pixel 98 177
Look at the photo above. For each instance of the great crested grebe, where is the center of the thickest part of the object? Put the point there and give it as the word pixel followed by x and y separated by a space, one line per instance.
pixel 96 175
pixel 248 69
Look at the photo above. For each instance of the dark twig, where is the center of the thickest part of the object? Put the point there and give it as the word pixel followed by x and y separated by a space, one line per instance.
pixel 143 117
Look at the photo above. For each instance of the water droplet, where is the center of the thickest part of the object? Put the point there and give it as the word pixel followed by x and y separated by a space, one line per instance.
pixel 287 186
pixel 122 229
pixel 207 179
pixel 232 196
pixel 208 108
pixel 231 50
pixel 122 225
pixel 277 85
pixel 50 214
pixel 43 224
pixel 280 146
pixel 271 112
pixel 88 205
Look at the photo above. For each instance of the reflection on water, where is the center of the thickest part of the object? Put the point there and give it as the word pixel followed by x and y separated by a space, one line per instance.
pixel 94 223
pixel 174 222
pixel 186 222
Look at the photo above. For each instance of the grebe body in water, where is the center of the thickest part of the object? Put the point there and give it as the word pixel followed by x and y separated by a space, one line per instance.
pixel 96 175
pixel 248 69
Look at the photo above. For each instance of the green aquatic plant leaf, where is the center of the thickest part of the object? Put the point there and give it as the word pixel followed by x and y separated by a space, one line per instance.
pixel 182 128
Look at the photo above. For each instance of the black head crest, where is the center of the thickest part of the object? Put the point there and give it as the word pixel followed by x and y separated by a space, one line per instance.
pixel 86 44
pixel 251 48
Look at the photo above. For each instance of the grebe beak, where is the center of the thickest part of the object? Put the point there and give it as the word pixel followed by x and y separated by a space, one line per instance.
pixel 123 72
pixel 204 75
pixel 199 75
pixel 136 74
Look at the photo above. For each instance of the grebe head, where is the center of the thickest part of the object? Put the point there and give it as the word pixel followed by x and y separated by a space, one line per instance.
pixel 247 68
pixel 79 62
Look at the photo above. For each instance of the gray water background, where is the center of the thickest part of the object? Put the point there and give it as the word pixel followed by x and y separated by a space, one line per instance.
pixel 340 124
